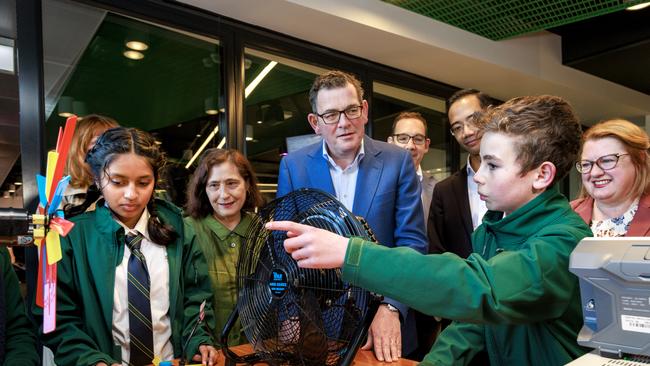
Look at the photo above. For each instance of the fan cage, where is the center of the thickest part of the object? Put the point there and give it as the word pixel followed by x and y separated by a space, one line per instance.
pixel 292 315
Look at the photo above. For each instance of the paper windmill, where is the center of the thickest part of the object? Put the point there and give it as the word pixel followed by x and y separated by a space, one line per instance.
pixel 50 192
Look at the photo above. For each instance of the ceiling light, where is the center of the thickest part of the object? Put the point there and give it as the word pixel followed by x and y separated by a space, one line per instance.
pixel 18 183
pixel 200 150
pixel 137 45
pixel 12 188
pixel 133 55
pixel 65 106
pixel 638 6
pixel 210 104
pixel 258 79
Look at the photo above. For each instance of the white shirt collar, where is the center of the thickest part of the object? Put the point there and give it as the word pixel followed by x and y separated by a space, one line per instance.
pixel 470 170
pixel 419 172
pixel 357 158
pixel 140 226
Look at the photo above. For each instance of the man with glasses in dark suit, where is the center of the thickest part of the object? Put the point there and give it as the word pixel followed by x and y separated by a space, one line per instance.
pixel 456 208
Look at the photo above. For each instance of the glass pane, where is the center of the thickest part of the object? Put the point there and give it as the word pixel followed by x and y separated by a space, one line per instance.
pixel 11 193
pixel 389 101
pixel 169 83
pixel 276 109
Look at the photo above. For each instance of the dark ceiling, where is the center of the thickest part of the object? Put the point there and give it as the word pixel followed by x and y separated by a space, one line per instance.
pixel 615 47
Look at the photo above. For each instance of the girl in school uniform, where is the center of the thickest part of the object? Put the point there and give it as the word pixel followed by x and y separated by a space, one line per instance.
pixel 132 278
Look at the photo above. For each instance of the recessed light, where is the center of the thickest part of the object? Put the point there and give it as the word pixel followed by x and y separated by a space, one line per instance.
pixel 638 6
pixel 137 45
pixel 259 122
pixel 133 55
pixel 18 183
pixel 65 114
pixel 212 111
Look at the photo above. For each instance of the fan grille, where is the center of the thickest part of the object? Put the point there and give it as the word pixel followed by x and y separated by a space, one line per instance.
pixel 293 315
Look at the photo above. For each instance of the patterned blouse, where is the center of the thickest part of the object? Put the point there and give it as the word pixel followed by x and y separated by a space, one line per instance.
pixel 616 226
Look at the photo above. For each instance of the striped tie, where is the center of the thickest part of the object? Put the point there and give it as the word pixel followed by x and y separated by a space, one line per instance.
pixel 140 329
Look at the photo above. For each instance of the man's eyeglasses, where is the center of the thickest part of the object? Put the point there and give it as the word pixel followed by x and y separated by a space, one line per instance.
pixel 472 121
pixel 403 138
pixel 605 162
pixel 333 117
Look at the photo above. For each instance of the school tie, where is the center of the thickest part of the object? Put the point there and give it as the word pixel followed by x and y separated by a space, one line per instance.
pixel 140 329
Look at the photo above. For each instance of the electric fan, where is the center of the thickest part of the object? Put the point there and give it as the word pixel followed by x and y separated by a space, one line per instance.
pixel 292 315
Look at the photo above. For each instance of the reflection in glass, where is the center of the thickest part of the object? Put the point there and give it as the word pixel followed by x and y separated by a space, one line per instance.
pixel 276 109
pixel 174 90
pixel 389 101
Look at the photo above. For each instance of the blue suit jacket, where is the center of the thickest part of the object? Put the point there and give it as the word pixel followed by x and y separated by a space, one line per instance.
pixel 387 195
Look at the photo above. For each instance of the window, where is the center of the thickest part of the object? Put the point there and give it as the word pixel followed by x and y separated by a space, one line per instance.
pixel 276 109
pixel 143 75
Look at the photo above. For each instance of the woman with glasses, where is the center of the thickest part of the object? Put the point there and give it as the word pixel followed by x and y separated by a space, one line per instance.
pixel 615 168
pixel 221 198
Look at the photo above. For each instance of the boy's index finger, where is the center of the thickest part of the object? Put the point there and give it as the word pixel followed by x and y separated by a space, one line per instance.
pixel 285 226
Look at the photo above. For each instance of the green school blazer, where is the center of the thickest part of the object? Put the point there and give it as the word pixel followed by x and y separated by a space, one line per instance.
pixel 86 278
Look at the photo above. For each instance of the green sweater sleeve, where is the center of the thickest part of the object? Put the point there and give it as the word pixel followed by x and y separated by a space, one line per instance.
pixel 512 287
pixel 20 338
pixel 197 289
pixel 456 345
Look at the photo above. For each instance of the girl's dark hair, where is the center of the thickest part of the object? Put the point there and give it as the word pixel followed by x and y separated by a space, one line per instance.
pixel 198 205
pixel 122 140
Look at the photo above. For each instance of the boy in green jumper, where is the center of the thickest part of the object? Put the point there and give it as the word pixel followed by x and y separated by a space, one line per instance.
pixel 514 296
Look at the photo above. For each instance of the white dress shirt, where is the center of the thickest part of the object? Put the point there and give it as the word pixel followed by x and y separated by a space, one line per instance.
pixel 476 205
pixel 158 267
pixel 344 180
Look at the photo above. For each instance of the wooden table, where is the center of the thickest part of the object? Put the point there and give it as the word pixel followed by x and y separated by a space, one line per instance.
pixel 362 358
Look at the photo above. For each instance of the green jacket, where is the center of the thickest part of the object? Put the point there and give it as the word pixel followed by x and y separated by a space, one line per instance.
pixel 19 337
pixel 86 278
pixel 514 296
pixel 221 249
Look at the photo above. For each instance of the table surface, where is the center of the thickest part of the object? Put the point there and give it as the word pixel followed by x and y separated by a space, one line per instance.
pixel 362 358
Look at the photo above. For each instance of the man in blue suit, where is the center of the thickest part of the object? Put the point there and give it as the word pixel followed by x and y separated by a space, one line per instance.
pixel 373 179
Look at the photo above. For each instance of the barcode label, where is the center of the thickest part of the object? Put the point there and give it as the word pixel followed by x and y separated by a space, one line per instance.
pixel 635 323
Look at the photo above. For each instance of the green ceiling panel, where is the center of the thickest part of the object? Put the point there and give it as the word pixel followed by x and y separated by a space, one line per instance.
pixel 499 20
